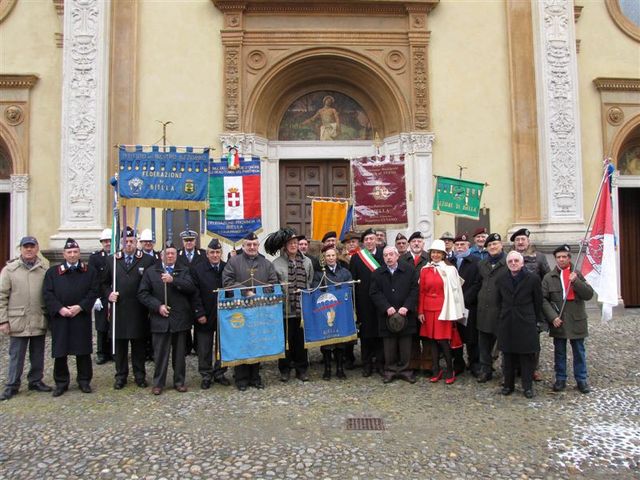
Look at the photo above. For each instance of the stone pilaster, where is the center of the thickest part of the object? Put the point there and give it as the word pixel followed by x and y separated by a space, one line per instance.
pixel 559 121
pixel 83 163
pixel 19 208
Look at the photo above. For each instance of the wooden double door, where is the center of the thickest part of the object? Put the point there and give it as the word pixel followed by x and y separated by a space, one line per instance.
pixel 302 179
pixel 629 216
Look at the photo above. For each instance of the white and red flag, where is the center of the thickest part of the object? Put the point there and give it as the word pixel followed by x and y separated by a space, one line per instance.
pixel 600 266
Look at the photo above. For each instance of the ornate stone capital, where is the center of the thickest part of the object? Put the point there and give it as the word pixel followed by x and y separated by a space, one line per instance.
pixel 416 142
pixel 247 143
pixel 19 183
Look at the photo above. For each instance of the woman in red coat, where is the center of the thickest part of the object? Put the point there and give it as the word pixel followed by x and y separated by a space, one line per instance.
pixel 440 305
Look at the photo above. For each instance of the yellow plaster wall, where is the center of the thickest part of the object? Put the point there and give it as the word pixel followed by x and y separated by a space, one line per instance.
pixel 27 49
pixel 470 102
pixel 605 51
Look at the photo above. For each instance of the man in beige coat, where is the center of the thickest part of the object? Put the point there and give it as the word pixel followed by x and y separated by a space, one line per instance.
pixel 22 316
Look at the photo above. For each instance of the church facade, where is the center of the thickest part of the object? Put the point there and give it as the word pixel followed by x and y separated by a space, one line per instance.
pixel 527 96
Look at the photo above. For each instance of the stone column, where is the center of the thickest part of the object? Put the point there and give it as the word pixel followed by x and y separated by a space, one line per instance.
pixel 19 208
pixel 559 121
pixel 83 163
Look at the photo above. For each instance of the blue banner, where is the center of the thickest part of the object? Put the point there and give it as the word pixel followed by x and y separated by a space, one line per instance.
pixel 235 206
pixel 251 328
pixel 327 315
pixel 164 177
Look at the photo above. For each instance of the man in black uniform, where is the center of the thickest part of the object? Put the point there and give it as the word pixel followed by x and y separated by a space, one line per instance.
pixel 167 290
pixel 207 277
pixel 70 290
pixel 246 270
pixel 190 256
pixel 98 260
pixel 363 263
pixel 131 317
pixel 147 244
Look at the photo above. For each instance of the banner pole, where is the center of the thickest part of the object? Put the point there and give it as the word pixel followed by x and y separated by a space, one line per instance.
pixel 114 245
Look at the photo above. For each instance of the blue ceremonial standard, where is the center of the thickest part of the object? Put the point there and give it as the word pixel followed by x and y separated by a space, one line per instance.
pixel 164 177
pixel 327 315
pixel 251 327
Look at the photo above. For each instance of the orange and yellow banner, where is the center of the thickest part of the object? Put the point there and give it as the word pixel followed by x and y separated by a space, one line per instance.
pixel 327 216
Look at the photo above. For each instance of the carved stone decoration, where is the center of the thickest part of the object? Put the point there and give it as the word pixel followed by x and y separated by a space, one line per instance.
pixel 14 115
pixel 395 60
pixel 256 59
pixel 421 115
pixel 248 144
pixel 231 87
pixel 19 183
pixel 83 163
pixel 615 116
pixel 560 114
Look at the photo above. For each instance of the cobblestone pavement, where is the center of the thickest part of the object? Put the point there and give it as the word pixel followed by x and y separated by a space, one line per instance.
pixel 297 430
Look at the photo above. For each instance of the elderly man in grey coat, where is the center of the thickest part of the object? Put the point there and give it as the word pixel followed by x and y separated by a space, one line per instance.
pixel 22 317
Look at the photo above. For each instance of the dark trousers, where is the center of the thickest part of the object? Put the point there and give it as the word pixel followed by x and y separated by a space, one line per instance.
pixel 527 363
pixel 138 346
pixel 371 348
pixel 163 343
pixel 246 374
pixel 397 354
pixel 103 344
pixel 420 354
pixel 207 367
pixel 296 354
pixel 17 352
pixel 61 370
pixel 486 342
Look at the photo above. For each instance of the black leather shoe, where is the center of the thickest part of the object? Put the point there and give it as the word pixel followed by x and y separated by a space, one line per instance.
pixel 258 384
pixel 222 381
pixel 59 391
pixel 584 387
pixel 484 377
pixel 118 385
pixel 302 376
pixel 101 360
pixel 241 387
pixel 506 391
pixel 387 378
pixel 528 393
pixel 366 371
pixel 284 376
pixel 205 384
pixel 7 394
pixel 40 387
pixel 559 386
pixel 142 383
pixel 85 388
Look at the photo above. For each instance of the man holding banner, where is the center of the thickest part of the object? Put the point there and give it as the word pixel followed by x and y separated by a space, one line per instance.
pixel 362 265
pixel 247 270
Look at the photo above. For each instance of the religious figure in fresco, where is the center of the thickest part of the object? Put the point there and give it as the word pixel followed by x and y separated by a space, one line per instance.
pixel 329 118
pixel 629 163
pixel 325 115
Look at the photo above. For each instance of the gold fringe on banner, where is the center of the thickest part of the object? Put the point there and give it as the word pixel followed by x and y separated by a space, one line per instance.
pixel 229 242
pixel 154 203
pixel 249 361
pixel 331 341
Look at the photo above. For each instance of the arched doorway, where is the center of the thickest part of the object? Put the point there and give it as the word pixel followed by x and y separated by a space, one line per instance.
pixel 5 204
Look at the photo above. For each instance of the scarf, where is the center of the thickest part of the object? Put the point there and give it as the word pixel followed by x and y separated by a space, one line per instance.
pixel 567 288
pixel 297 277
pixel 495 259
pixel 461 256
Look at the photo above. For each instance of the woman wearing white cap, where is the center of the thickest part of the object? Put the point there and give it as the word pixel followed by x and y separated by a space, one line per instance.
pixel 440 305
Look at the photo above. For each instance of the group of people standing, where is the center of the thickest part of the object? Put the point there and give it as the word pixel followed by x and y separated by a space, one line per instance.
pixel 415 308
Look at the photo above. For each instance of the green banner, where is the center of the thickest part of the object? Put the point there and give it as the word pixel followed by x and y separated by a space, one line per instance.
pixel 458 197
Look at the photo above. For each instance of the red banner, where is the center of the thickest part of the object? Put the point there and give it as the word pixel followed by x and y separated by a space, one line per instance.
pixel 379 191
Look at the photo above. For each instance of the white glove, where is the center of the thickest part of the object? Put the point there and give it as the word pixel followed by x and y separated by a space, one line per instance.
pixel 98 305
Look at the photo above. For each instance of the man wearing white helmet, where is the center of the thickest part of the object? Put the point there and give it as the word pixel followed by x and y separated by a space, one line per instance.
pixel 147 244
pixel 98 260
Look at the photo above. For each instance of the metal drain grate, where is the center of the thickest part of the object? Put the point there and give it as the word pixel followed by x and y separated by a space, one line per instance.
pixel 365 423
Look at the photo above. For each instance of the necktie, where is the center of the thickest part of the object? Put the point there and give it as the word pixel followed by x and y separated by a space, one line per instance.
pixel 128 261
pixel 190 257
pixel 169 270
pixel 568 288
pixel 416 260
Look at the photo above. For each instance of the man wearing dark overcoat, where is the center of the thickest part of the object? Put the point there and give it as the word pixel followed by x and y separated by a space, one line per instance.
pixel 207 277
pixel 98 261
pixel 490 270
pixel 166 290
pixel 131 317
pixel 394 292
pixel 570 322
pixel 248 269
pixel 362 265
pixel 70 290
pixel 467 266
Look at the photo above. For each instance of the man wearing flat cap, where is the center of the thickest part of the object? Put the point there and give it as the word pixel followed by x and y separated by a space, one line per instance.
pixel 98 261
pixel 448 238
pixel 22 317
pixel 246 270
pixel 402 244
pixel 479 237
pixel 568 323
pixel 131 317
pixel 362 266
pixel 189 254
pixel 536 263
pixel 70 290
pixel 490 270
pixel 207 277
